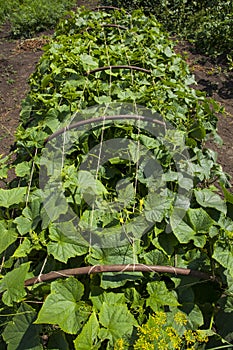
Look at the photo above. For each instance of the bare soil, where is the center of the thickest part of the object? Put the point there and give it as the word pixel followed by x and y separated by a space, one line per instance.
pixel 215 79
pixel 18 59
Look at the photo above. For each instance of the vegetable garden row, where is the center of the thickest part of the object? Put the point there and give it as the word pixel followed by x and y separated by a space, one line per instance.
pixel 113 233
pixel 207 24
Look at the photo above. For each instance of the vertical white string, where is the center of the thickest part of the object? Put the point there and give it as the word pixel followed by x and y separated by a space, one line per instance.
pixel 101 136
pixel 30 180
pixel 42 268
pixel 106 107
pixel 131 239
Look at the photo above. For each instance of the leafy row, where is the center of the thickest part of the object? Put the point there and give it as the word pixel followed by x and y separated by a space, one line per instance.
pixel 146 198
pixel 207 24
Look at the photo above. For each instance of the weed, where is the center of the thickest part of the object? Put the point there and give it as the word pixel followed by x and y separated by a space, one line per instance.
pixel 10 81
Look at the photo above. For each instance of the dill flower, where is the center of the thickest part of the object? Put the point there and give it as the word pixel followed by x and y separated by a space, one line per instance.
pixel 180 318
pixel 143 344
pixel 119 345
pixel 202 338
pixel 160 318
pixel 175 339
pixel 190 337
pixel 162 345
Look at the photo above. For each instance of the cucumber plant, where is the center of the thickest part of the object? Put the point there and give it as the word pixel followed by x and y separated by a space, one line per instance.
pixel 132 256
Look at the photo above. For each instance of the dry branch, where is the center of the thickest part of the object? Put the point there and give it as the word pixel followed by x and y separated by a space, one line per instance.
pixel 100 8
pixel 104 118
pixel 117 268
pixel 110 25
pixel 119 67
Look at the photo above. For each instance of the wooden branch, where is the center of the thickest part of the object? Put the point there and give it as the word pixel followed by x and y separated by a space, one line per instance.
pixel 110 25
pixel 117 268
pixel 118 67
pixel 114 26
pixel 99 119
pixel 100 8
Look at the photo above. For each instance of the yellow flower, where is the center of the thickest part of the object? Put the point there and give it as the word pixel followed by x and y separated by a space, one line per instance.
pixel 170 332
pixel 155 333
pixel 143 344
pixel 121 220
pixel 119 345
pixel 141 202
pixel 202 338
pixel 180 318
pixel 190 337
pixel 174 337
pixel 160 318
pixel 144 329
pixel 162 345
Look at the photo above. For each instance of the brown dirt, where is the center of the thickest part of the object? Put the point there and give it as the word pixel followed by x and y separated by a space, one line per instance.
pixel 216 80
pixel 18 59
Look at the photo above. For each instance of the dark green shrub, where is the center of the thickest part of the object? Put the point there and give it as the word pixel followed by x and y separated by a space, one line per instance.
pixel 6 8
pixel 29 17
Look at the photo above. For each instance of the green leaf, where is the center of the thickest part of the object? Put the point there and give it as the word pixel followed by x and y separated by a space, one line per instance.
pixel 160 296
pixel 21 333
pixel 88 185
pixel 4 168
pixel 117 320
pixel 53 122
pixel 155 257
pixel 102 99
pixel 183 232
pixel 126 192
pixel 23 249
pixel 198 131
pixel 23 169
pixel 88 61
pixel 168 52
pixel 98 297
pixel 149 142
pixel 66 242
pixel 64 307
pixel 12 196
pixel 226 223
pixel 166 243
pixel 195 317
pixel 223 254
pixel 109 256
pixel 200 220
pixel 7 237
pixel 135 300
pixel 23 224
pixel 155 207
pixel 54 207
pixel 208 199
pixel 13 284
pixel 88 337
pixel 224 321
pixel 57 341
pixel 227 195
